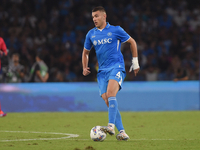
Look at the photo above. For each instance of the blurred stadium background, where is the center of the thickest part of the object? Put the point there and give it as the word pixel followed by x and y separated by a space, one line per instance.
pixel 167 33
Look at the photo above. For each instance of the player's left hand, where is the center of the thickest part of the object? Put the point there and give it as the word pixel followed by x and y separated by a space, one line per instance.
pixel 136 71
pixel 135 66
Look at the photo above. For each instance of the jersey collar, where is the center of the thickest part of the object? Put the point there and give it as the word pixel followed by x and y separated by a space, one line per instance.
pixel 107 26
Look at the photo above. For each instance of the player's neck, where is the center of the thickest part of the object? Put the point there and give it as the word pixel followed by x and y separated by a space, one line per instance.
pixel 103 26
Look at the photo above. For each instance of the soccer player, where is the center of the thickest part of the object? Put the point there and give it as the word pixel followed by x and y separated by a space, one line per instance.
pixel 2 114
pixel 106 40
pixel 3 52
pixel 3 49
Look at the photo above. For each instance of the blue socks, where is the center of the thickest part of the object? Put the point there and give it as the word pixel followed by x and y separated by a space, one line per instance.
pixel 114 114
pixel 112 110
pixel 118 121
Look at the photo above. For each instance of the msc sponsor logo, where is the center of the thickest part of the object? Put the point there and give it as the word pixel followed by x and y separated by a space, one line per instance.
pixel 102 41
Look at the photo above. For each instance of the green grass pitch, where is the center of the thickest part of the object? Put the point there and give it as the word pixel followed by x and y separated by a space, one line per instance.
pixel 147 130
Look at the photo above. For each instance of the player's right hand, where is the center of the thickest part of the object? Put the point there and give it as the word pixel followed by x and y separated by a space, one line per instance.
pixel 86 71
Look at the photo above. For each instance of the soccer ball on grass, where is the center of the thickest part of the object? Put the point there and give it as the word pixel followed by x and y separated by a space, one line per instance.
pixel 97 134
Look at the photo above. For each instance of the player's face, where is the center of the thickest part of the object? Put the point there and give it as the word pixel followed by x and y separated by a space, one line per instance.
pixel 99 19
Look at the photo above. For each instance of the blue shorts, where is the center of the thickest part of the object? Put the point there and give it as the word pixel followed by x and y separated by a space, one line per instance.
pixel 103 77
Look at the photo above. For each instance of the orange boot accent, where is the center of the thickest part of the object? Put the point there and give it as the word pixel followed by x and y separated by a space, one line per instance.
pixel 1 112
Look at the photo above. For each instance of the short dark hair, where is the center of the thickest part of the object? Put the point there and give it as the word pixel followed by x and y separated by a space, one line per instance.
pixel 98 8
pixel 40 55
pixel 15 54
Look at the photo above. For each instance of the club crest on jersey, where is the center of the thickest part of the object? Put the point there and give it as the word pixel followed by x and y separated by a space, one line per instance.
pixel 109 34
pixel 94 42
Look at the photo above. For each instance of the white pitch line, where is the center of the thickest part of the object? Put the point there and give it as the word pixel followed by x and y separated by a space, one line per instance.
pixel 66 136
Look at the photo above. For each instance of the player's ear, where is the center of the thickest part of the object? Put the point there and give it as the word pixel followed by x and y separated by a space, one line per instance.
pixel 104 15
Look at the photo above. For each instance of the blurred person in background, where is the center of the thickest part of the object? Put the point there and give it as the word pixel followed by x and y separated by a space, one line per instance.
pixel 3 54
pixel 3 59
pixel 151 73
pixel 180 75
pixel 39 70
pixel 16 70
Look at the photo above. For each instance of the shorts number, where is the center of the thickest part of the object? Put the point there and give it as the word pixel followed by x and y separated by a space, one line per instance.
pixel 118 74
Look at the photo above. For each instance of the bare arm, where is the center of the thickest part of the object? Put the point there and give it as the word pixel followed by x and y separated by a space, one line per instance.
pixel 133 47
pixel 46 77
pixel 85 60
pixel 43 79
pixel 181 79
pixel 39 75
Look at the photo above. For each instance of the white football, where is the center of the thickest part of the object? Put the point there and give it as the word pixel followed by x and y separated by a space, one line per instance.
pixel 97 135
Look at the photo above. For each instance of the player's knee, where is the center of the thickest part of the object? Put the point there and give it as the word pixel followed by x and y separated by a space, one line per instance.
pixel 104 96
pixel 110 93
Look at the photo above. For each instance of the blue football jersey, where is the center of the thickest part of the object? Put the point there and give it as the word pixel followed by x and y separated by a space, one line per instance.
pixel 107 44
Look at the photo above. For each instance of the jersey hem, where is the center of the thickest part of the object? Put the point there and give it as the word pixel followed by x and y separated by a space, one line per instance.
pixel 87 49
pixel 126 40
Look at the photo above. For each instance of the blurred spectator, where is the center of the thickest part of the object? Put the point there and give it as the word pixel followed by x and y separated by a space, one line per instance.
pixel 39 70
pixel 151 73
pixel 194 22
pixel 180 74
pixel 16 70
pixel 69 76
pixel 165 20
pixel 180 18
pixel 164 66
pixel 59 77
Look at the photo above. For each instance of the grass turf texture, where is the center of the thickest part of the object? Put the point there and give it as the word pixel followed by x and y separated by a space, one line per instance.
pixel 147 130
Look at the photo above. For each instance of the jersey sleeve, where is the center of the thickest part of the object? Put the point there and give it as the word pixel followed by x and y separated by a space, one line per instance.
pixel 122 35
pixel 88 44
